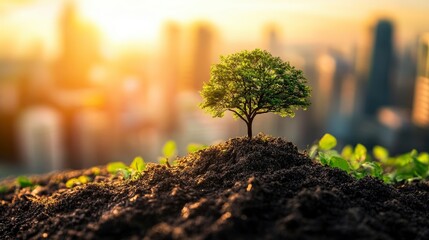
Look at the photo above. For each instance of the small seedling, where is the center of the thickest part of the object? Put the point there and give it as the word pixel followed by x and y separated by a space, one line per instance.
pixel 138 164
pixel 77 181
pixel 169 150
pixel 359 163
pixel 96 171
pixel 195 147
pixel 24 182
pixel 134 171
pixel 113 167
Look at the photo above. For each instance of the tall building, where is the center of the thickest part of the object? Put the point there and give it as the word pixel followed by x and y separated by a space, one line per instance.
pixel 379 86
pixel 203 49
pixel 79 47
pixel 421 96
pixel 172 36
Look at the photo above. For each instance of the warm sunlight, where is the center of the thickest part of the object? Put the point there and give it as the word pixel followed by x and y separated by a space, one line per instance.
pixel 121 23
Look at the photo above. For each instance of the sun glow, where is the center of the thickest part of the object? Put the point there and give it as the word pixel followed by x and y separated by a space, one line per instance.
pixel 122 22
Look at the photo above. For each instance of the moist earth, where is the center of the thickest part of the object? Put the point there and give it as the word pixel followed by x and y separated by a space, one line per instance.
pixel 262 188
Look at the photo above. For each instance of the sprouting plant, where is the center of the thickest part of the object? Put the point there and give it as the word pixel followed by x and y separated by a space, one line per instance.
pixel 77 181
pixel 24 182
pixel 195 147
pixel 135 169
pixel 351 160
pixel 250 83
pixel 169 150
pixel 359 163
pixel 96 171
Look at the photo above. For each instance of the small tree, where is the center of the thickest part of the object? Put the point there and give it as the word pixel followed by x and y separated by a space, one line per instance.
pixel 249 83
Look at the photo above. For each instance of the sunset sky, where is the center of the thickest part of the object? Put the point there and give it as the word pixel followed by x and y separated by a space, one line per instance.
pixel 332 22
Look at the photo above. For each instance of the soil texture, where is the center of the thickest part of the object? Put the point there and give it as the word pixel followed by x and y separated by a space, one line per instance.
pixel 262 188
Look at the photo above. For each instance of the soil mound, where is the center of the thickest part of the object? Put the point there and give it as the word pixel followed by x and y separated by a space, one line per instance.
pixel 262 188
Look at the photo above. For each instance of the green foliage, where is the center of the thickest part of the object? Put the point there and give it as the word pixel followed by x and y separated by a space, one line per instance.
pixel 138 164
pixel 249 83
pixel 72 182
pixel 327 142
pixel 113 167
pixel 96 171
pixel 134 171
pixel 169 150
pixel 3 189
pixel 359 163
pixel 195 147
pixel 24 182
pixel 380 153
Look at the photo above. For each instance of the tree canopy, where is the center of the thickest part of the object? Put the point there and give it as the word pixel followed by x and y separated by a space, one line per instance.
pixel 249 83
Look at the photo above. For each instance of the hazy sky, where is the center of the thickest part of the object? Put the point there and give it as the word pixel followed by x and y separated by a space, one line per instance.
pixel 22 22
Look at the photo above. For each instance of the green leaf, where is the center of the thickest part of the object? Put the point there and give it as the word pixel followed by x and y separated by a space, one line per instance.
pixel 113 167
pixel 360 152
pixel 84 179
pixel 340 163
pixel 169 150
pixel 374 169
pixel 138 164
pixel 125 172
pixel 72 182
pixel 347 152
pixel 96 171
pixel 380 153
pixel 162 160
pixel 327 142
pixel 420 169
pixel 324 158
pixel 423 157
pixel 312 152
pixel 24 181
pixel 195 147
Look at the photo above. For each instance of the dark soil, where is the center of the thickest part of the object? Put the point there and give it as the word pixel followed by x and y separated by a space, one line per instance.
pixel 241 189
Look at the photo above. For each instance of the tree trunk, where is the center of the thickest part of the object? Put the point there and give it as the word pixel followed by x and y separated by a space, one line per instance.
pixel 249 128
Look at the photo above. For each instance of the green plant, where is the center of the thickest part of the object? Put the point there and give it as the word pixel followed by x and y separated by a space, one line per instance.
pixel 359 163
pixel 77 181
pixel 24 182
pixel 134 171
pixel 249 83
pixel 169 150
pixel 195 147
pixel 352 160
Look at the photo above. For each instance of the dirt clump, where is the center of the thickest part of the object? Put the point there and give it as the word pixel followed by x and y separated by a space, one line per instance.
pixel 262 188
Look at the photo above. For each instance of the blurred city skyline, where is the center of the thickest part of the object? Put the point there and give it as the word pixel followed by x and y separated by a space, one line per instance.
pixel 331 23
pixel 86 82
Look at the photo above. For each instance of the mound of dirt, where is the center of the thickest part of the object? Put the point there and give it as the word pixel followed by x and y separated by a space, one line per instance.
pixel 262 188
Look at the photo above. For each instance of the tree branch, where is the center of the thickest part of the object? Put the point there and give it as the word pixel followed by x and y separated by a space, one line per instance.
pixel 239 115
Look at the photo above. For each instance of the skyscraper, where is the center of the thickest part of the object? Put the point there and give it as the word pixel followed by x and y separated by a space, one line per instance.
pixel 421 96
pixel 79 44
pixel 378 91
pixel 202 54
